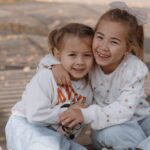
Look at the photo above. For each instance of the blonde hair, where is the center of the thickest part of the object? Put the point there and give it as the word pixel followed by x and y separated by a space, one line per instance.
pixel 56 38
pixel 135 36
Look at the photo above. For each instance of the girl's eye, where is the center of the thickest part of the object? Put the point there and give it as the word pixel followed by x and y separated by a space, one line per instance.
pixel 114 42
pixel 100 37
pixel 88 55
pixel 71 54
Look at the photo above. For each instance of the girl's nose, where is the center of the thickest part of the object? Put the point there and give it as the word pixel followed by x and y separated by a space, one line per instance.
pixel 104 45
pixel 80 60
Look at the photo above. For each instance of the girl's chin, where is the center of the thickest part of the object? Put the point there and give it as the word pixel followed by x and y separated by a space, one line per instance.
pixel 76 78
pixel 101 61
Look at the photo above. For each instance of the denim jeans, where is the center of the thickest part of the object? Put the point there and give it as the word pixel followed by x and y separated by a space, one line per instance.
pixel 21 135
pixel 126 136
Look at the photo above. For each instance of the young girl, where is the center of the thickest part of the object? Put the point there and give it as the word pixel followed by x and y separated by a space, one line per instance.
pixel 34 121
pixel 120 117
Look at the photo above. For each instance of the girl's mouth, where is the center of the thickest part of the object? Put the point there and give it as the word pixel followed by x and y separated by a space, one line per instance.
pixel 78 69
pixel 102 55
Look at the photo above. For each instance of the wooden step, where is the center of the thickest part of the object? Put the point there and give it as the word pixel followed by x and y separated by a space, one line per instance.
pixel 12 84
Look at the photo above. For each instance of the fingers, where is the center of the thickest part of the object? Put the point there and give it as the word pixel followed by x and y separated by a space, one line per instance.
pixel 77 106
pixel 73 123
pixel 63 116
pixel 58 80
pixel 64 80
pixel 68 81
pixel 71 117
pixel 70 122
pixel 67 121
pixel 61 75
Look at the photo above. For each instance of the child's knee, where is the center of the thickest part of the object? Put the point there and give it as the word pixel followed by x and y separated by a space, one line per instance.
pixel 108 136
pixel 117 137
pixel 145 126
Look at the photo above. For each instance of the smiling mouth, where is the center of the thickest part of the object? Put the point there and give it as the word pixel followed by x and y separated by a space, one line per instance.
pixel 78 69
pixel 102 55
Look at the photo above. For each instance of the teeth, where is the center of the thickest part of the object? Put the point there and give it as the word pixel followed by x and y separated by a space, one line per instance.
pixel 102 55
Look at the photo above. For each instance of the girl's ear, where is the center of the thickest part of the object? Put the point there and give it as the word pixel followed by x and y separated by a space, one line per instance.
pixel 126 53
pixel 56 53
pixel 128 49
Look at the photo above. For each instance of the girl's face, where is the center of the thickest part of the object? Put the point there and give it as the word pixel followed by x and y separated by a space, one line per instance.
pixel 76 56
pixel 109 45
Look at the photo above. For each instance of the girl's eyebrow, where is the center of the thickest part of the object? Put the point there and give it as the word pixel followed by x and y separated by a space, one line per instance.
pixel 114 38
pixel 71 51
pixel 100 33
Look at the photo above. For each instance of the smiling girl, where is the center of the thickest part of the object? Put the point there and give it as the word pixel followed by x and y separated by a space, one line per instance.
pixel 120 117
pixel 34 123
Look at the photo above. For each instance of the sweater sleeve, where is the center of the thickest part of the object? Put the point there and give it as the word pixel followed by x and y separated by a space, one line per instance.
pixel 47 62
pixel 38 98
pixel 124 107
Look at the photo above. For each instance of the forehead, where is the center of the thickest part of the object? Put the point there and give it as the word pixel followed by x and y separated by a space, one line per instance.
pixel 77 43
pixel 112 28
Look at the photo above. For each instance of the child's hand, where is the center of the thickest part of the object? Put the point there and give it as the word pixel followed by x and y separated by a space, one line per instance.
pixel 71 117
pixel 77 106
pixel 61 75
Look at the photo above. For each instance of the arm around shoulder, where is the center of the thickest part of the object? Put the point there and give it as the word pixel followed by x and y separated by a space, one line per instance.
pixel 47 62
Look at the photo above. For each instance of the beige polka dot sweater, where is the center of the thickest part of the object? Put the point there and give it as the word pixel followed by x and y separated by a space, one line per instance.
pixel 119 96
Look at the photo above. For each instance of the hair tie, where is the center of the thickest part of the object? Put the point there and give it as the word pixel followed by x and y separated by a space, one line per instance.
pixel 140 15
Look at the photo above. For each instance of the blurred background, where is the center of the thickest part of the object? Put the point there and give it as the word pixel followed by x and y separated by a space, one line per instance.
pixel 24 26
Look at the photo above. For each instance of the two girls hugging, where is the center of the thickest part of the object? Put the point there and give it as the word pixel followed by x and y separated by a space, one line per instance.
pixel 93 77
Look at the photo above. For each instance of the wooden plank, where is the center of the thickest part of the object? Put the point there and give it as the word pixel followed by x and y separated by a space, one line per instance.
pixel 12 84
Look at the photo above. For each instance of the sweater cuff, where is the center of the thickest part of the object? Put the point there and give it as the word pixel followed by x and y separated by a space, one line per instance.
pixel 86 115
